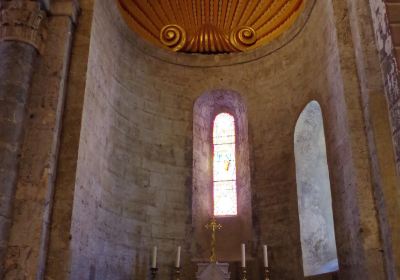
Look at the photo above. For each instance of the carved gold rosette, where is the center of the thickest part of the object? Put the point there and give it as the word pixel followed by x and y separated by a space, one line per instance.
pixel 210 26
pixel 23 21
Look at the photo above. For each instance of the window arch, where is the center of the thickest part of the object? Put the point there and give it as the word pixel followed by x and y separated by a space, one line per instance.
pixel 224 166
pixel 209 109
pixel 314 193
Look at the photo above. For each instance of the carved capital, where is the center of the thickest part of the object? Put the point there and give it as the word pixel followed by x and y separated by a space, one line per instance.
pixel 23 21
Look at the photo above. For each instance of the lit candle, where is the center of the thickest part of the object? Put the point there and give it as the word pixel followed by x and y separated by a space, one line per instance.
pixel 178 257
pixel 265 256
pixel 243 255
pixel 154 259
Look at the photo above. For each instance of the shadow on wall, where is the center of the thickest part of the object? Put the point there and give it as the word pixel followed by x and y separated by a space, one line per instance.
pixel 314 194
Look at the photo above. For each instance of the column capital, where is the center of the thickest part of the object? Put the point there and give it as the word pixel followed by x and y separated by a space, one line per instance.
pixel 23 21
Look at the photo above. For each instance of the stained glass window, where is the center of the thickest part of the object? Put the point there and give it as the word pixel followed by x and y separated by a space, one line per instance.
pixel 224 166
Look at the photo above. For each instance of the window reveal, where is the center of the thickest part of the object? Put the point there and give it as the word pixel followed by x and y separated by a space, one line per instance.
pixel 224 166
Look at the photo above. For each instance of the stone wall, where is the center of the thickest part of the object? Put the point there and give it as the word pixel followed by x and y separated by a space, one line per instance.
pixel 134 169
pixel 393 10
pixel 383 16
pixel 134 175
pixel 383 124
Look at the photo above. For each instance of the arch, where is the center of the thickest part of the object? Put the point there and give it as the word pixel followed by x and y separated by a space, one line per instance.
pixel 314 193
pixel 206 108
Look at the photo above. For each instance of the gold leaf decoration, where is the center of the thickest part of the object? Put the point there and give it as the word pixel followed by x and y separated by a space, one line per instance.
pixel 173 36
pixel 243 37
pixel 209 39
pixel 210 26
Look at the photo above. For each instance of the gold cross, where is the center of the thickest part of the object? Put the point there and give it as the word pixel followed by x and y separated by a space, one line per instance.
pixel 213 226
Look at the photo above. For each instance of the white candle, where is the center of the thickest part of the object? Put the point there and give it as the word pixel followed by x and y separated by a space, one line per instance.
pixel 154 259
pixel 265 256
pixel 178 257
pixel 243 255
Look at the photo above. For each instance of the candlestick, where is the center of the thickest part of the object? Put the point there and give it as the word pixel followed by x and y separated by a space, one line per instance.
pixel 178 257
pixel 153 271
pixel 267 273
pixel 154 258
pixel 243 273
pixel 243 255
pixel 177 273
pixel 265 249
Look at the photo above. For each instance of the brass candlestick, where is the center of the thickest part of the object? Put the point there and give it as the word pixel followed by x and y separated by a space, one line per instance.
pixel 177 273
pixel 153 271
pixel 267 273
pixel 213 226
pixel 243 273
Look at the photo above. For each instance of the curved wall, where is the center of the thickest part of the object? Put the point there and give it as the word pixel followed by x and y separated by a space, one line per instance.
pixel 133 187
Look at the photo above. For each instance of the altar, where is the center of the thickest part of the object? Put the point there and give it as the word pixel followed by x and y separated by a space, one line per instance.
pixel 213 271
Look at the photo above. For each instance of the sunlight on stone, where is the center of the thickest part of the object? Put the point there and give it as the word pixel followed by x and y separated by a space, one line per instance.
pixel 314 194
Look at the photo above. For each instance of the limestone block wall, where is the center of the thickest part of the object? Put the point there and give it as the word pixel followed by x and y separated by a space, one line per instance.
pixel 385 20
pixel 134 173
pixel 387 192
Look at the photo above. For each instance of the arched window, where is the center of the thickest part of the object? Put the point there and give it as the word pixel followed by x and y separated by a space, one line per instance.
pixel 224 166
pixel 314 193
pixel 221 174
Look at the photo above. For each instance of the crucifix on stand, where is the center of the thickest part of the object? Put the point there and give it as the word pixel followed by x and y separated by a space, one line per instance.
pixel 213 269
pixel 213 226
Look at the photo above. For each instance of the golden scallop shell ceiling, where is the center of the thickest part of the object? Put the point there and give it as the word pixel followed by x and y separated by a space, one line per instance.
pixel 210 26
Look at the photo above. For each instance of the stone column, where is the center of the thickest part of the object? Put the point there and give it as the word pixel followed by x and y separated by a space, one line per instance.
pixel 21 36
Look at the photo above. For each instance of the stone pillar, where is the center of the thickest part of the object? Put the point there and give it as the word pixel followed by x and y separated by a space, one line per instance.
pixel 21 36
pixel 353 154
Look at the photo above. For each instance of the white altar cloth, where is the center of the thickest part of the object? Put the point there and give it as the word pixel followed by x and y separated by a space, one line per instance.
pixel 213 271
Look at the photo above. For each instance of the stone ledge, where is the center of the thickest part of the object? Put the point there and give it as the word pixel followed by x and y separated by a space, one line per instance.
pixel 65 8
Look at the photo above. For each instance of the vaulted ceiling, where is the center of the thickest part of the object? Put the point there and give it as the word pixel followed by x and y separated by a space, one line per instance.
pixel 210 26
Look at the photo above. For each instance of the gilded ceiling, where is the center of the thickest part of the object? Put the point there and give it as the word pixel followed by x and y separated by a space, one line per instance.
pixel 210 26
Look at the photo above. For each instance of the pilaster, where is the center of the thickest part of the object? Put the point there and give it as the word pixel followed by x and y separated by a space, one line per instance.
pixel 358 234
pixel 32 201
